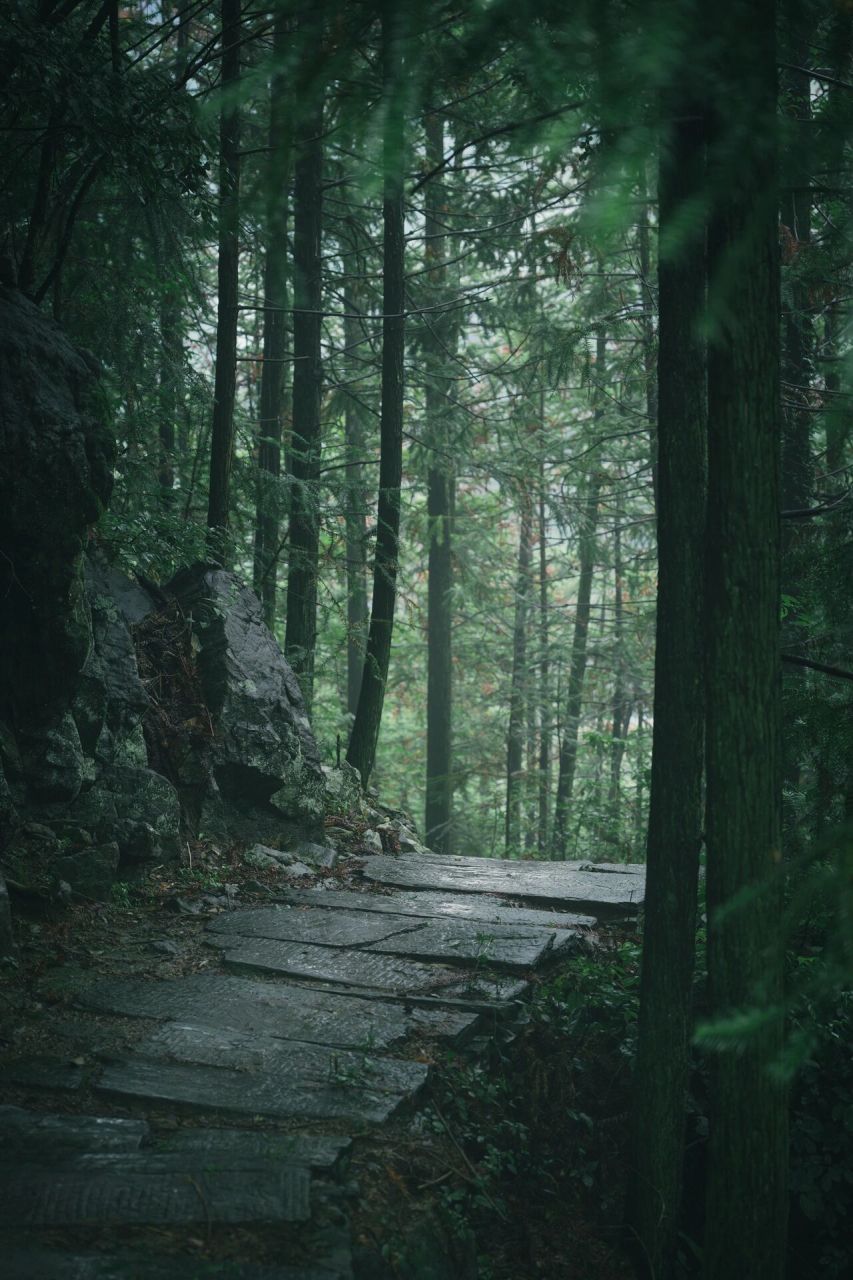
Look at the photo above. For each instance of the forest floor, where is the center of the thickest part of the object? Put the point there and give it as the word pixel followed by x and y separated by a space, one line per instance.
pixel 235 1072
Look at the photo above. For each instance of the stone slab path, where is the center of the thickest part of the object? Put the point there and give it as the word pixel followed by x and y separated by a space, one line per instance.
pixel 319 1025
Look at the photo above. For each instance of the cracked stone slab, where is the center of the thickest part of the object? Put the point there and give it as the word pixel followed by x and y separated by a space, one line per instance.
pixel 323 928
pixel 426 905
pixel 602 891
pixel 245 1093
pixel 33 1263
pixel 278 1009
pixel 370 970
pixel 318 1151
pixel 298 1064
pixel 137 1190
pixel 31 1136
pixel 473 943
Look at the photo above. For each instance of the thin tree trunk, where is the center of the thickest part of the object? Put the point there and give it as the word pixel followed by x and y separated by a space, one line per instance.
pixel 675 805
pixel 748 1151
pixel 518 687
pixel 171 361
pixel 368 717
pixel 272 399
pixel 304 527
pixel 619 717
pixel 225 381
pixel 577 670
pixel 648 331
pixel 355 498
pixel 544 788
pixel 440 504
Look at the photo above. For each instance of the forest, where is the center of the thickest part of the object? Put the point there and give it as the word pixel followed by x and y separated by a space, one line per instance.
pixel 494 360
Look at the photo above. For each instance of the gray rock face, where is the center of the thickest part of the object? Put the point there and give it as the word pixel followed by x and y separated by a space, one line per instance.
pixel 7 938
pixel 264 755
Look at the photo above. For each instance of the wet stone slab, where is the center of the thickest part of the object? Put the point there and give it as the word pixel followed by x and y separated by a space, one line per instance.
pixel 277 1009
pixel 243 1093
pixel 297 1064
pixel 33 1137
pixel 478 908
pixel 125 1191
pixel 319 1152
pixel 324 928
pixel 374 972
pixel 474 944
pixel 601 891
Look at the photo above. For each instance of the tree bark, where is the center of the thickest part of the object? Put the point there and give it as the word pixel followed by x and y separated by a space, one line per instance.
pixel 355 434
pixel 748 1150
pixel 675 805
pixel 225 380
pixel 272 398
pixel 440 504
pixel 544 786
pixel 304 526
pixel 577 671
pixel 368 717
pixel 516 731
pixel 619 709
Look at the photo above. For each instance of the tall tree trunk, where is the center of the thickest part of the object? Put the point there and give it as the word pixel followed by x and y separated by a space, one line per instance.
pixel 544 787
pixel 619 709
pixel 577 670
pixel 225 380
pixel 748 1151
pixel 355 517
pixel 440 504
pixel 267 496
pixel 675 806
pixel 368 716
pixel 304 527
pixel 171 362
pixel 648 332
pixel 516 730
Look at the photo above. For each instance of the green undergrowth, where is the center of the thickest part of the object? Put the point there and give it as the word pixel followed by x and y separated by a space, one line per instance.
pixel 538 1126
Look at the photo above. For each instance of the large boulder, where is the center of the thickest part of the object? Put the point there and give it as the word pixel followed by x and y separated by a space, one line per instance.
pixel 263 755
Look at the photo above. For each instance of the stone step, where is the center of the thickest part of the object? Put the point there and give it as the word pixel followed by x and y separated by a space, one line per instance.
pixel 389 974
pixel 32 1137
pixel 282 1010
pixel 464 942
pixel 150 1190
pixel 320 1152
pixel 611 890
pixel 421 903
pixel 242 1093
pixel 323 928
pixel 298 1064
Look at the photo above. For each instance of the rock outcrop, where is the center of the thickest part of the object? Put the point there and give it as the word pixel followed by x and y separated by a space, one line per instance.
pixel 132 717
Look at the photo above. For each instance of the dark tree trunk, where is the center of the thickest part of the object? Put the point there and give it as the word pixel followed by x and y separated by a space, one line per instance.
pixel 748 1151
pixel 355 497
pixel 304 527
pixel 518 692
pixel 577 670
pixel 675 810
pixel 619 708
pixel 544 787
pixel 171 364
pixel 268 498
pixel 648 331
pixel 368 716
pixel 225 382
pixel 440 503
